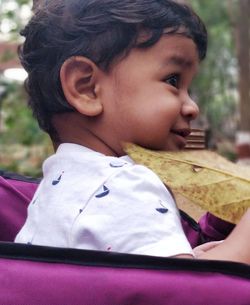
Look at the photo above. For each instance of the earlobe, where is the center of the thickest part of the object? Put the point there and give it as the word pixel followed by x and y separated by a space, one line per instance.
pixel 78 77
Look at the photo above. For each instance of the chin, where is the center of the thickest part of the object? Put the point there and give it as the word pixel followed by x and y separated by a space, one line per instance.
pixel 173 147
pixel 162 147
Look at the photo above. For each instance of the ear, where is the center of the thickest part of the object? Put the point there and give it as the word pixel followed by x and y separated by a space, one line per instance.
pixel 78 77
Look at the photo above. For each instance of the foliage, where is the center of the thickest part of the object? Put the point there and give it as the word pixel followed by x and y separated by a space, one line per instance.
pixel 19 125
pixel 216 85
pixel 18 129
pixel 14 14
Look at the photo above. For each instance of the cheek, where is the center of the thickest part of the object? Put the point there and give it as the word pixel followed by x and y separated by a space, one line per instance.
pixel 166 109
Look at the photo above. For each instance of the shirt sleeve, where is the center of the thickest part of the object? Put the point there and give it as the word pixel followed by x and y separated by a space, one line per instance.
pixel 133 212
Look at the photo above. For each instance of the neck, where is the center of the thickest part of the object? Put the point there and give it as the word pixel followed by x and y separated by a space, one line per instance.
pixel 73 128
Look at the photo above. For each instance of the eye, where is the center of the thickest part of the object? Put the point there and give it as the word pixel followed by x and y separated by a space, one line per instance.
pixel 173 80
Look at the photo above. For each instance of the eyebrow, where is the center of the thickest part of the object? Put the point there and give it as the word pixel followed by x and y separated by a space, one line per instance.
pixel 179 61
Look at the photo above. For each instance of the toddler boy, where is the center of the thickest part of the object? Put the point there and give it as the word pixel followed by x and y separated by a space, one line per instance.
pixel 104 72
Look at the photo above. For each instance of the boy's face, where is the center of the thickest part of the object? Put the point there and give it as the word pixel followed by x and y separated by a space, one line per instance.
pixel 145 96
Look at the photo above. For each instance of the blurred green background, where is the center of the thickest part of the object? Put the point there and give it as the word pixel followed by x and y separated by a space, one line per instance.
pixel 220 89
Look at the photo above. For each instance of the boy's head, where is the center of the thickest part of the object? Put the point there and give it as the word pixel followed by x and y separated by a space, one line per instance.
pixel 91 37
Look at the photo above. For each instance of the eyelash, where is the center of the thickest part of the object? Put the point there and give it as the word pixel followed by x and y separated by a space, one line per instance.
pixel 176 79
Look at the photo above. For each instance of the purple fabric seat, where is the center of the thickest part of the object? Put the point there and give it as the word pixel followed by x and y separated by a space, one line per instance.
pixel 15 195
pixel 37 275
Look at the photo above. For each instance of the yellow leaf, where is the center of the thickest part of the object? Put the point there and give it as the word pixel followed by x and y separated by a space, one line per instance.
pixel 205 178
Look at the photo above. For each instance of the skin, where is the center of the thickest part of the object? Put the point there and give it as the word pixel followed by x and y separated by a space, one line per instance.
pixel 236 247
pixel 143 99
pixel 148 105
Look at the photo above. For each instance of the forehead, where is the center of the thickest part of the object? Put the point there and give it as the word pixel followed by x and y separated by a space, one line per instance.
pixel 176 49
pixel 170 49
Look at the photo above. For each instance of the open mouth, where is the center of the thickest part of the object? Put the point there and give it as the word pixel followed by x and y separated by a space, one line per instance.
pixel 181 137
pixel 184 133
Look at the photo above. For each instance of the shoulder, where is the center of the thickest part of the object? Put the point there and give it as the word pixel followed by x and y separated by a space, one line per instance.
pixel 139 184
pixel 82 168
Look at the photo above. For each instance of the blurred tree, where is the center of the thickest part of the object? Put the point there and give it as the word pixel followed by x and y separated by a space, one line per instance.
pixel 17 125
pixel 216 85
pixel 239 13
pixel 13 15
pixel 243 25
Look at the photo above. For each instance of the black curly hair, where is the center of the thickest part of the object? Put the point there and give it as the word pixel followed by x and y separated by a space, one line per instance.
pixel 101 30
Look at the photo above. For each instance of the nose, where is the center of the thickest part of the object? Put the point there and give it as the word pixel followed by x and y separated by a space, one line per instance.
pixel 190 109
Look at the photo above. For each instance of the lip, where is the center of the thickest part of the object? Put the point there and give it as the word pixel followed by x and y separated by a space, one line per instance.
pixel 183 132
pixel 181 135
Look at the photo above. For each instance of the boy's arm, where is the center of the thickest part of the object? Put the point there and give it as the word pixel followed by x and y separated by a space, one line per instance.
pixel 236 247
pixel 200 250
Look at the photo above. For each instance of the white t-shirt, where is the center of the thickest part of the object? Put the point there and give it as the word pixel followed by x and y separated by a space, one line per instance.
pixel 91 201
